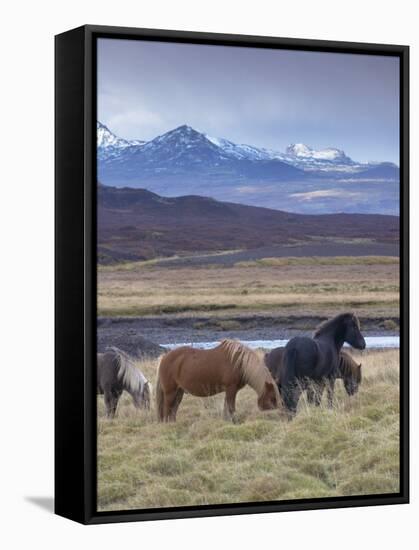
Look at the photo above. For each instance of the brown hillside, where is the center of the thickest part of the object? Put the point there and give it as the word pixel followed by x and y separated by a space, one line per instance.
pixel 135 224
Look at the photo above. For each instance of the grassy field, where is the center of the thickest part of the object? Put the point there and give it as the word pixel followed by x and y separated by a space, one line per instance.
pixel 352 449
pixel 293 286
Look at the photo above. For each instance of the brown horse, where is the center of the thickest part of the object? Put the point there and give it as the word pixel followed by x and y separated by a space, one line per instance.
pixel 226 368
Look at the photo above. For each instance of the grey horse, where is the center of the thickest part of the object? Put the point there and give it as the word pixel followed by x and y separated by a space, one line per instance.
pixel 116 372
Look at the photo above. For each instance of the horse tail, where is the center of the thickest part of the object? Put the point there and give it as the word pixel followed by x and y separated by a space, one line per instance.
pixel 159 396
pixel 289 381
pixel 289 373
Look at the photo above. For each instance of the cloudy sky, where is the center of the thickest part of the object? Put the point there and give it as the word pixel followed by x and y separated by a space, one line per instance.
pixel 268 98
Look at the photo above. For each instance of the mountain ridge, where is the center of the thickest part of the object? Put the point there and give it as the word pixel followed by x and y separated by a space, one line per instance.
pixel 294 153
pixel 184 161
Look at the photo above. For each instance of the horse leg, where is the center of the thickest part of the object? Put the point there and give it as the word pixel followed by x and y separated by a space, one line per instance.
pixel 111 402
pixel 175 405
pixel 318 393
pixel 330 392
pixel 291 396
pixel 168 405
pixel 310 394
pixel 230 403
pixel 107 396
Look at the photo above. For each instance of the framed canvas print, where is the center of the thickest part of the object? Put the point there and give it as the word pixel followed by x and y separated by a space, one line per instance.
pixel 231 274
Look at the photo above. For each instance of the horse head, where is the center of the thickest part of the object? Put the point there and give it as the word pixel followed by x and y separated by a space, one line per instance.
pixel 142 395
pixel 352 379
pixel 269 399
pixel 352 334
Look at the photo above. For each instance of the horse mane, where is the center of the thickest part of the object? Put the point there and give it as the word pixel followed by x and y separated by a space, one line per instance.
pixel 132 378
pixel 331 323
pixel 255 373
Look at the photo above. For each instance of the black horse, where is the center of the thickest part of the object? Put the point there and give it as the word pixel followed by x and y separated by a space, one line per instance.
pixel 348 370
pixel 316 360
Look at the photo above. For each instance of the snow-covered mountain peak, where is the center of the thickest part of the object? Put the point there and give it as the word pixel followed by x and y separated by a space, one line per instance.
pixel 106 138
pixel 182 134
pixel 185 129
pixel 301 150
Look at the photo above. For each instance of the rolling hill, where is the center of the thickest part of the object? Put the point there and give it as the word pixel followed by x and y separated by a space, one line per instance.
pixel 136 224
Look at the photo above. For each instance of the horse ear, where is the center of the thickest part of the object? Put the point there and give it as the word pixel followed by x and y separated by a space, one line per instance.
pixel 359 366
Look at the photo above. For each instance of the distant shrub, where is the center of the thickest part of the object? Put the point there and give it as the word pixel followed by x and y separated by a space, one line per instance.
pixel 389 324
pixel 228 324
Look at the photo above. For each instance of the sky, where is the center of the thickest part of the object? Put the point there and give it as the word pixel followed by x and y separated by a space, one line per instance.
pixel 263 97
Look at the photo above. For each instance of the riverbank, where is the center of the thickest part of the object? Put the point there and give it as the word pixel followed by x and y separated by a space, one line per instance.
pixel 125 332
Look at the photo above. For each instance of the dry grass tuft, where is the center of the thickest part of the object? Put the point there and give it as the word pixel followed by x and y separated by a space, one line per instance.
pixel 352 449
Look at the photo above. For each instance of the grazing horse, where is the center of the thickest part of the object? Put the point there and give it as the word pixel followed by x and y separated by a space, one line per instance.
pixel 317 359
pixel 226 368
pixel 349 371
pixel 115 373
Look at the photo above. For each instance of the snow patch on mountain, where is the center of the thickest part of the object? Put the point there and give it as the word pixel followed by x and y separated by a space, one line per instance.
pixel 298 155
pixel 241 151
pixel 107 139
pixel 328 154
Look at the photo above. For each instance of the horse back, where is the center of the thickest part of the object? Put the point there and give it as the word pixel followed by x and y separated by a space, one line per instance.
pixel 199 372
pixel 107 371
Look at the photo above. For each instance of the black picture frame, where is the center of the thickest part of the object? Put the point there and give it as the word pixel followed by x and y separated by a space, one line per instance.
pixel 75 273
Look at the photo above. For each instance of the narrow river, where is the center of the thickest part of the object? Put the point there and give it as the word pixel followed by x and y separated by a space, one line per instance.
pixel 373 342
